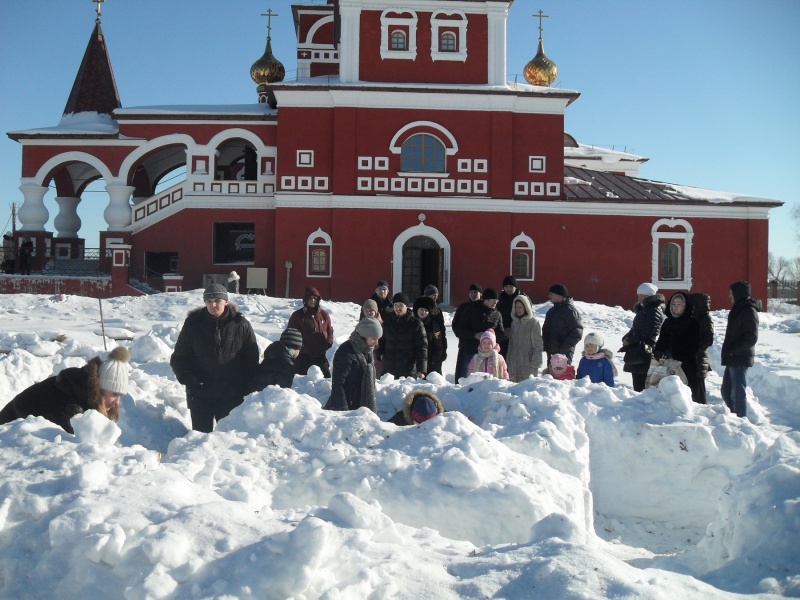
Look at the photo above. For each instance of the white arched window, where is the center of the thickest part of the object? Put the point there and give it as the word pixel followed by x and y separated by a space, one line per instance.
pixel 449 35
pixel 399 34
pixel 672 254
pixel 318 254
pixel 523 252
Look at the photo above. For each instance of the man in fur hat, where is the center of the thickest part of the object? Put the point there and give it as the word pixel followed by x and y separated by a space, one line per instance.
pixel 98 385
pixel 216 358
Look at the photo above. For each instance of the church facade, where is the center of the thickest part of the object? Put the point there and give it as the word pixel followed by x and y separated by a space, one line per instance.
pixel 400 152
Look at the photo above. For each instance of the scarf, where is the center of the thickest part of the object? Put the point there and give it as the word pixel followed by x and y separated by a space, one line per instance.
pixel 364 357
pixel 483 362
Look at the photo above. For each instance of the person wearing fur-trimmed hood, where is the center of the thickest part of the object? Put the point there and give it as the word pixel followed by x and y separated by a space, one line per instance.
pixel 98 385
pixel 418 407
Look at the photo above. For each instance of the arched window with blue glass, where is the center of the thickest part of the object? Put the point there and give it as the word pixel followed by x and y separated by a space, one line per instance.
pixel 422 153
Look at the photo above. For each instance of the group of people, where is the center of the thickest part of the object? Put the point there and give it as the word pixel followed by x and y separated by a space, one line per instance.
pixel 10 255
pixel 216 356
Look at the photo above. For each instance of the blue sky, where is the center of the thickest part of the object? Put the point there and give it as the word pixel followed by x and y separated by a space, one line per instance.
pixel 709 90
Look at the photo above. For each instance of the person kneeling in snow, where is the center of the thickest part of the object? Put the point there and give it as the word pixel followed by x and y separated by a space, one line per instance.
pixel 97 385
pixel 418 407
pixel 596 361
pixel 353 379
pixel 278 367
pixel 488 359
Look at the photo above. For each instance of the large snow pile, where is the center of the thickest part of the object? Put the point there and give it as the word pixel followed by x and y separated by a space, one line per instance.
pixel 539 489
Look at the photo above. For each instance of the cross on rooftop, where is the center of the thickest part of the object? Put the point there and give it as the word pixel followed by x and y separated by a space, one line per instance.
pixel 269 14
pixel 541 16
pixel 97 10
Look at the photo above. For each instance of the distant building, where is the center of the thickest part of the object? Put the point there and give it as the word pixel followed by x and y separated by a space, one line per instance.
pixel 401 153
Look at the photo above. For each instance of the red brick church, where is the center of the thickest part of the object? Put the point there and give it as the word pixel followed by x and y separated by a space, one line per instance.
pixel 400 152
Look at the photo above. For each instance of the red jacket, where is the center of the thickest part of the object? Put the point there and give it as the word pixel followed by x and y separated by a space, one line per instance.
pixel 316 328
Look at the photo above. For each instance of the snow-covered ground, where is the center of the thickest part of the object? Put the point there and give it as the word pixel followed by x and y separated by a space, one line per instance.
pixel 541 489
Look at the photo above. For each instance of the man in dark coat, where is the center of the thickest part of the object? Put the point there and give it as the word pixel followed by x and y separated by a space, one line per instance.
pixel 475 292
pixel 739 347
pixel 382 298
pixel 25 253
pixel 432 292
pixel 278 366
pixel 505 305
pixel 404 345
pixel 353 381
pixel 315 325
pixel 434 332
pixel 563 328
pixel 216 358
pixel 477 318
pixel 701 305
pixel 638 343
pixel 97 385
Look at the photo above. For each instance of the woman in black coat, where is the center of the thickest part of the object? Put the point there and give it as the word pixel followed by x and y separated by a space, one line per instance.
pixel 680 337
pixel 638 343
pixel 97 385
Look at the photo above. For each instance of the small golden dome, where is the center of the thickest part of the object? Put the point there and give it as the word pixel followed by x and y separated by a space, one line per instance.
pixel 540 70
pixel 267 69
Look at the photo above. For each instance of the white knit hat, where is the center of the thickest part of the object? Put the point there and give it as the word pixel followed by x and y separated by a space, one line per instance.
pixel 596 339
pixel 648 289
pixel 113 373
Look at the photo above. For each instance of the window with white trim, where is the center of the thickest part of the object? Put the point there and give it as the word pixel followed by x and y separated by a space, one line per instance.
pixel 318 254
pixel 672 254
pixel 449 35
pixel 523 252
pixel 399 34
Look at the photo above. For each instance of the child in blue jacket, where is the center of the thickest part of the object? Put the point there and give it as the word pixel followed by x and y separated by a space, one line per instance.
pixel 596 361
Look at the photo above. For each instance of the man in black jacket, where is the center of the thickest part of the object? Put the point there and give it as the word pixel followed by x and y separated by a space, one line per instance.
pixel 216 358
pixel 475 292
pixel 404 345
pixel 562 329
pixel 505 304
pixel 353 378
pixel 739 347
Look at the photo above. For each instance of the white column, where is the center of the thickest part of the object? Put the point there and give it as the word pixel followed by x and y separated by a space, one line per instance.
pixel 67 221
pixel 32 214
pixel 118 212
pixel 349 50
pixel 497 17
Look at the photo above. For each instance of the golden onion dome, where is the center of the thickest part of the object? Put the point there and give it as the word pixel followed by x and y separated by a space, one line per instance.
pixel 540 70
pixel 267 69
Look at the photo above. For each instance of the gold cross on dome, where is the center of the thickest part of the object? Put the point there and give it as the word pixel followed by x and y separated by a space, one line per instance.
pixel 541 16
pixel 269 14
pixel 97 10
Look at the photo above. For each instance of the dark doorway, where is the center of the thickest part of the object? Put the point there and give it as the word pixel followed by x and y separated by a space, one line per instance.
pixel 423 264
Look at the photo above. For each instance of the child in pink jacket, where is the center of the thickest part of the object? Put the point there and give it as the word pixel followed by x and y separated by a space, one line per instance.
pixel 488 359
pixel 560 368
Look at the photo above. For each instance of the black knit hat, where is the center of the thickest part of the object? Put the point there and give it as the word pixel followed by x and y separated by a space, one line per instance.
pixel 215 292
pixel 510 280
pixel 424 302
pixel 401 297
pixel 475 287
pixel 430 290
pixel 292 338
pixel 560 289
pixel 490 294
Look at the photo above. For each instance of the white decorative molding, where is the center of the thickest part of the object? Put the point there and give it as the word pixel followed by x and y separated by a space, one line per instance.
pixel 684 240
pixel 523 243
pixel 460 25
pixel 388 24
pixel 305 158
pixel 397 256
pixel 537 164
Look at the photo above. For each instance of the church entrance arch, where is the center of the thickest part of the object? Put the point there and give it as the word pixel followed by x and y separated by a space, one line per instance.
pixel 421 257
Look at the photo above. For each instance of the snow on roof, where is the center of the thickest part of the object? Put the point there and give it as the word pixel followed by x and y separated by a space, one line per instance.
pixel 606 155
pixel 198 109
pixel 714 196
pixel 77 123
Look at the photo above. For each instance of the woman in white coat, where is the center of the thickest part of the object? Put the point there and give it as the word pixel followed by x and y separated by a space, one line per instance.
pixel 526 346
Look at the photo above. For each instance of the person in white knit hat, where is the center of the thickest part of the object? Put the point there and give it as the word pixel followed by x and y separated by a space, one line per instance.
pixel 98 385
